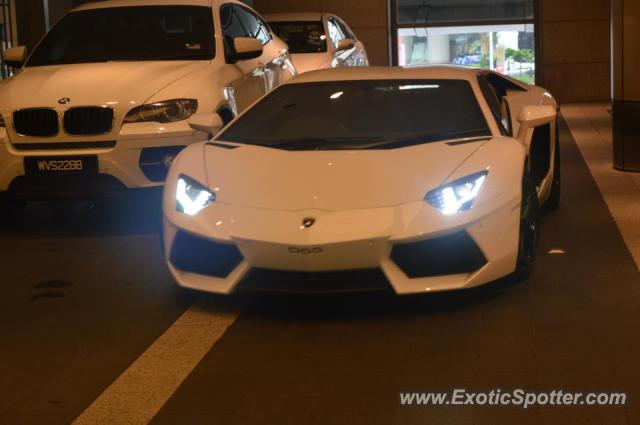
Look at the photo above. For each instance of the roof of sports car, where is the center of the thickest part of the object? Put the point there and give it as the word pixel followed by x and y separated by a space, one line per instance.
pixel 442 72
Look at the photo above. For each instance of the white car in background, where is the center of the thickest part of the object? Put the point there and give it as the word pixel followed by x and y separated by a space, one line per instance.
pixel 318 41
pixel 102 104
pixel 432 176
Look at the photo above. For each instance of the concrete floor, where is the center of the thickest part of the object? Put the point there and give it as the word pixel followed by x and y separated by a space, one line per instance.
pixel 93 328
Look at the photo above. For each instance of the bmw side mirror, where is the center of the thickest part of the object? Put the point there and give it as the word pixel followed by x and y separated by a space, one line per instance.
pixel 246 48
pixel 15 57
pixel 345 44
pixel 206 123
pixel 534 116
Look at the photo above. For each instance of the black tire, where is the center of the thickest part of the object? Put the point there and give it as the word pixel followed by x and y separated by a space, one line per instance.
pixel 554 197
pixel 528 233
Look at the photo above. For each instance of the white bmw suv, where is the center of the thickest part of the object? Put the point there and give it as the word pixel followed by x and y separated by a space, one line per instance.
pixel 103 102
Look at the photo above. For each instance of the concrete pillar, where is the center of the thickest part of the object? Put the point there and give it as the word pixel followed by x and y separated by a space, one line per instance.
pixel 438 49
pixel 57 9
pixel 626 84
pixel 31 22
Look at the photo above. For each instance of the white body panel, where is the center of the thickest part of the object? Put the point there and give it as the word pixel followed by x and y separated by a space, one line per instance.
pixel 363 202
pixel 125 85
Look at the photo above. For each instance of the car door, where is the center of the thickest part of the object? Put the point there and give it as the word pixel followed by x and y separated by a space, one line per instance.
pixel 281 66
pixel 497 104
pixel 257 28
pixel 359 55
pixel 249 83
pixel 506 100
pixel 512 99
pixel 340 58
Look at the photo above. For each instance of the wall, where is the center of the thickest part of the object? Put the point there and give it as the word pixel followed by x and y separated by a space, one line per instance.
pixel 30 22
pixel 367 18
pixel 57 9
pixel 9 21
pixel 574 37
pixel 576 49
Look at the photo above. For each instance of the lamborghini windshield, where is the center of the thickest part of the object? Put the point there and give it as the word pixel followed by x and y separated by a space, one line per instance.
pixel 141 33
pixel 376 114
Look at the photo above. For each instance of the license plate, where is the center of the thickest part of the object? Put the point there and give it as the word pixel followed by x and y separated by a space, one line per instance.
pixel 61 165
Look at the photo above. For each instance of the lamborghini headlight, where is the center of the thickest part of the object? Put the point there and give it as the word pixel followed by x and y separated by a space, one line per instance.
pixel 459 195
pixel 163 112
pixel 191 196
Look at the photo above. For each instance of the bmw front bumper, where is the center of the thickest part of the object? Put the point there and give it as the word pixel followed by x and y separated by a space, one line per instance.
pixel 137 159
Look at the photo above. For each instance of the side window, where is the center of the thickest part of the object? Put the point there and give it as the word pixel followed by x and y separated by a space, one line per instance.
pixel 345 29
pixel 503 86
pixel 497 104
pixel 253 25
pixel 335 34
pixel 231 25
pixel 505 116
pixel 265 31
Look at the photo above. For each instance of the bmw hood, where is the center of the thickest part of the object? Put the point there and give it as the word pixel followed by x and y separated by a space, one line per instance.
pixel 92 84
pixel 258 177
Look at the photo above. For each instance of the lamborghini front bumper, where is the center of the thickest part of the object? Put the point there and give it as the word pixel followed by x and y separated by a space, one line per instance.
pixel 416 248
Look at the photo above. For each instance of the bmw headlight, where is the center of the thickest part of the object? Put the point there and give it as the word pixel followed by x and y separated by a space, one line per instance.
pixel 163 112
pixel 459 195
pixel 191 196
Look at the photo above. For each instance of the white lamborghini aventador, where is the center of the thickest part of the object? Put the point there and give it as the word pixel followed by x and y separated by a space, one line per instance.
pixel 429 177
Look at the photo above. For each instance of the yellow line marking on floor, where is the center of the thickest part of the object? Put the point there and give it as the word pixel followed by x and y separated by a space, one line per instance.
pixel 591 128
pixel 137 395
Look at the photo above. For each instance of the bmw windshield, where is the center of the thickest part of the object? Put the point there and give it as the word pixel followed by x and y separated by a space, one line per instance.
pixel 376 114
pixel 144 33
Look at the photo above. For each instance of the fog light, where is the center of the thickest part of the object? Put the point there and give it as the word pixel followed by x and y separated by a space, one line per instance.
pixel 155 162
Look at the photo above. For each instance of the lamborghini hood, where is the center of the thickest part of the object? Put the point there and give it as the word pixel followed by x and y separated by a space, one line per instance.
pixel 258 177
